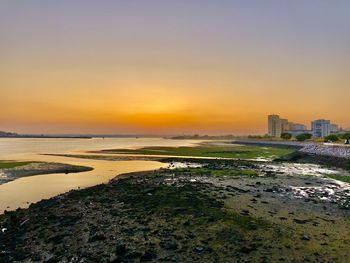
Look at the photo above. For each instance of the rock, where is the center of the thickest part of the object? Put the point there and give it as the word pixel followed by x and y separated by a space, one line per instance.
pixel 247 250
pixel 169 244
pixel 179 209
pixel 187 223
pixel 199 249
pixel 98 237
pixel 133 255
pixel 49 258
pixel 300 221
pixel 305 237
pixel 120 250
pixel 245 212
pixel 36 257
pixel 149 255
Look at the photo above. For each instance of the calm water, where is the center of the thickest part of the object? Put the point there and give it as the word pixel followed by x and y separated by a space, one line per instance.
pixel 26 190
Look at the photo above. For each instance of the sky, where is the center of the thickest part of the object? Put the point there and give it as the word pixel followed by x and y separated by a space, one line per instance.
pixel 172 67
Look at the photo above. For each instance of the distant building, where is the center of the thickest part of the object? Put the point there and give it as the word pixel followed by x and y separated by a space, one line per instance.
pixel 334 128
pixel 7 134
pixel 321 128
pixel 276 125
pixel 298 127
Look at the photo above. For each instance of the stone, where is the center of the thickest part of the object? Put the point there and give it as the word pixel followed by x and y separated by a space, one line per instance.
pixel 305 237
pixel 198 249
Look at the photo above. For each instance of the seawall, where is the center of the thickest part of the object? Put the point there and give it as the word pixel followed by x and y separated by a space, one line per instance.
pixel 330 150
pixel 293 144
pixel 340 151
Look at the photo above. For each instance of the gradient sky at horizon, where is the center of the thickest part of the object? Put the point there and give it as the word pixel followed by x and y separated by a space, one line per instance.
pixel 184 66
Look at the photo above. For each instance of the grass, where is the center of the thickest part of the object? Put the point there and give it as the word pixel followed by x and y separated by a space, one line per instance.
pixel 240 152
pixel 217 172
pixel 342 178
pixel 7 164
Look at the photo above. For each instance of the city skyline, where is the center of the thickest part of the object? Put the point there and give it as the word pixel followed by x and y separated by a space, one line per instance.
pixel 319 128
pixel 171 68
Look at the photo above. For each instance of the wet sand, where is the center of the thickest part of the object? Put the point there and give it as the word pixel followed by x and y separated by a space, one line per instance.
pixel 37 168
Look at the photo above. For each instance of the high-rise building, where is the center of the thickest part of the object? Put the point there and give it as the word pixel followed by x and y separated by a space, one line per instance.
pixel 277 125
pixel 321 128
pixel 274 125
pixel 285 125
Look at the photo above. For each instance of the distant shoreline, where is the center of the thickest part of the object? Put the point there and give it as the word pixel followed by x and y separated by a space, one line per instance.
pixel 46 137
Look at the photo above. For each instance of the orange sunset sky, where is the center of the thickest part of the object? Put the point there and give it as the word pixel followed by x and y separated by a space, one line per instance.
pixel 169 67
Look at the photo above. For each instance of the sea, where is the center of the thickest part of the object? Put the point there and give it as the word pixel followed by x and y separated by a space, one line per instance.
pixel 27 190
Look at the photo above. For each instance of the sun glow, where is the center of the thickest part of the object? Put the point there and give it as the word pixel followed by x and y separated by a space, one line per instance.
pixel 98 72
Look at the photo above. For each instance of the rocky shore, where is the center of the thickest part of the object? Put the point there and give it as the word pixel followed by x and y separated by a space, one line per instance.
pixel 37 168
pixel 292 144
pixel 331 150
pixel 327 150
pixel 221 211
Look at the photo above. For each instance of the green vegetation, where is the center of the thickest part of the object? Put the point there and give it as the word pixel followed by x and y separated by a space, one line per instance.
pixel 342 178
pixel 345 136
pixel 286 136
pixel 217 172
pixel 303 137
pixel 191 207
pixel 203 137
pixel 265 137
pixel 331 138
pixel 7 164
pixel 241 152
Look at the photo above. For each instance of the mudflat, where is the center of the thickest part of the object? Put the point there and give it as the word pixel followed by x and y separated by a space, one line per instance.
pixel 10 171
pixel 207 211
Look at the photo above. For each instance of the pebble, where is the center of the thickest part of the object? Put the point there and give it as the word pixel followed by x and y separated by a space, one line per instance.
pixel 305 237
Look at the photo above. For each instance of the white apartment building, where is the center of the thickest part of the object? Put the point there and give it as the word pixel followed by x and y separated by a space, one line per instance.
pixel 319 128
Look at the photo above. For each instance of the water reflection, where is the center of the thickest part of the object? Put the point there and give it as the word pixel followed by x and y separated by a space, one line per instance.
pixel 26 190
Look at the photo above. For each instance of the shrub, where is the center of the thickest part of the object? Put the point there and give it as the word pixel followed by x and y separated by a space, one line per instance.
pixel 303 137
pixel 286 136
pixel 345 136
pixel 332 138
